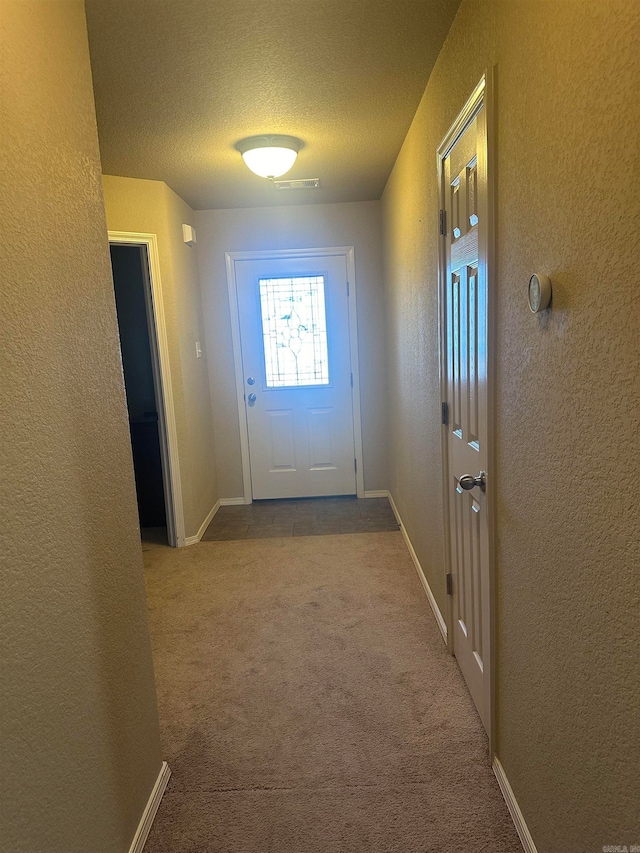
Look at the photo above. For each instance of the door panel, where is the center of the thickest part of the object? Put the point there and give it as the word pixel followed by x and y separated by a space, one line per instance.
pixel 465 189
pixel 294 331
pixel 281 433
pixel 320 421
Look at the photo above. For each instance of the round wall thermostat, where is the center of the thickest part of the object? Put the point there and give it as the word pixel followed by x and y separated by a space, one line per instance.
pixel 539 292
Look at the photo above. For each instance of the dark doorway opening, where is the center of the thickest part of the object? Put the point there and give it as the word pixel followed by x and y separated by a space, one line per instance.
pixel 132 304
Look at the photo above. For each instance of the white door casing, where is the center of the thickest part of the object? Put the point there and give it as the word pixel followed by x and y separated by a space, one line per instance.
pixel 300 434
pixel 466 385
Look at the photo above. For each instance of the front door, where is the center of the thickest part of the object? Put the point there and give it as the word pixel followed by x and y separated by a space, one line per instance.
pixel 468 481
pixel 294 337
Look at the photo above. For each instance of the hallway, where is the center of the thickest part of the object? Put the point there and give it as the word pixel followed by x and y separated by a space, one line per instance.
pixel 457 164
pixel 307 703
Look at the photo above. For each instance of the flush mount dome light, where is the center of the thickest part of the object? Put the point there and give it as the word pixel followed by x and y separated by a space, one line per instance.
pixel 269 156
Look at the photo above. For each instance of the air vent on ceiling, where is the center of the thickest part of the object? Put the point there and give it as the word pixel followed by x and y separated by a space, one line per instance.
pixel 303 184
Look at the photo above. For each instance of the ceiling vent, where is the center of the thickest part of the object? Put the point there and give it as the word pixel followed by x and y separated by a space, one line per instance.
pixel 303 184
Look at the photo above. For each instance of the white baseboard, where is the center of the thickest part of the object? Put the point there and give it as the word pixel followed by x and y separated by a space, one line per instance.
pixel 442 625
pixel 193 540
pixel 379 493
pixel 150 810
pixel 514 809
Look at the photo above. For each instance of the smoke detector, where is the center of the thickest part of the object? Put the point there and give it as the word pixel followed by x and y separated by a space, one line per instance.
pixel 301 184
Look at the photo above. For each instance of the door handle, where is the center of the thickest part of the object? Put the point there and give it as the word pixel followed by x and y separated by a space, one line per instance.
pixel 468 482
pixel 251 399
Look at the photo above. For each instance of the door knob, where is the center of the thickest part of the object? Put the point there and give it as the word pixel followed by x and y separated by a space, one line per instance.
pixel 251 398
pixel 467 482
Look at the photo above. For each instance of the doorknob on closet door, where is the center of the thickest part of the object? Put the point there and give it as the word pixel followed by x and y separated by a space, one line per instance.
pixel 468 482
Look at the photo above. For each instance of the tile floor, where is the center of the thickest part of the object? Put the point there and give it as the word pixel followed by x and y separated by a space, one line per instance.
pixel 301 517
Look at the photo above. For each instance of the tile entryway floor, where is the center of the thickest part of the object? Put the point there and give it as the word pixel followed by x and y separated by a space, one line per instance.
pixel 302 517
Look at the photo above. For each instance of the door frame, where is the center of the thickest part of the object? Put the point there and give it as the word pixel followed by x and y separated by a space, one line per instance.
pixel 483 95
pixel 161 379
pixel 348 252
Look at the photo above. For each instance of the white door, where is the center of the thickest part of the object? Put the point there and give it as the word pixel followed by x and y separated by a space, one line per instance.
pixel 294 338
pixel 467 439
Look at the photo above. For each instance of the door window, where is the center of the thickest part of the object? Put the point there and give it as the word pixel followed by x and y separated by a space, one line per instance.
pixel 294 331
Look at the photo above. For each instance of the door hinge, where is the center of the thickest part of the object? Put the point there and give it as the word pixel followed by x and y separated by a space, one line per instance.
pixel 449 584
pixel 445 413
pixel 352 380
pixel 443 222
pixel 355 465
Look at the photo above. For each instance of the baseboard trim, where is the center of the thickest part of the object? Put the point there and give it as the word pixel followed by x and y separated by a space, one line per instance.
pixel 514 809
pixel 380 493
pixel 150 810
pixel 442 625
pixel 193 540
pixel 231 501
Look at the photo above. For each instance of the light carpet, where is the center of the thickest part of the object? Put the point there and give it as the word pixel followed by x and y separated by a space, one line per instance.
pixel 308 704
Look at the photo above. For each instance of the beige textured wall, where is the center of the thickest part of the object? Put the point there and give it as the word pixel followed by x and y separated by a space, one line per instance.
pixel 252 229
pixel 568 394
pixel 152 207
pixel 79 734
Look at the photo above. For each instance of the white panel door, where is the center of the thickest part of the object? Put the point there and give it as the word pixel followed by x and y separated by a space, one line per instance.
pixel 465 189
pixel 294 337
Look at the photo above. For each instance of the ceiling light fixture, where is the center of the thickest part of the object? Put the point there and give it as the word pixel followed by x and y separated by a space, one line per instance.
pixel 269 156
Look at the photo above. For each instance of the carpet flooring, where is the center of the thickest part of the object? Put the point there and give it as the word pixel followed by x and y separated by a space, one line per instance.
pixel 308 704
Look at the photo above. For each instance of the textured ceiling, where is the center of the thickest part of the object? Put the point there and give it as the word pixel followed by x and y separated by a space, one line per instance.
pixel 178 82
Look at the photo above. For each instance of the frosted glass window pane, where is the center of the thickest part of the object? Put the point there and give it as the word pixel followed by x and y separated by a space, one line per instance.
pixel 294 330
